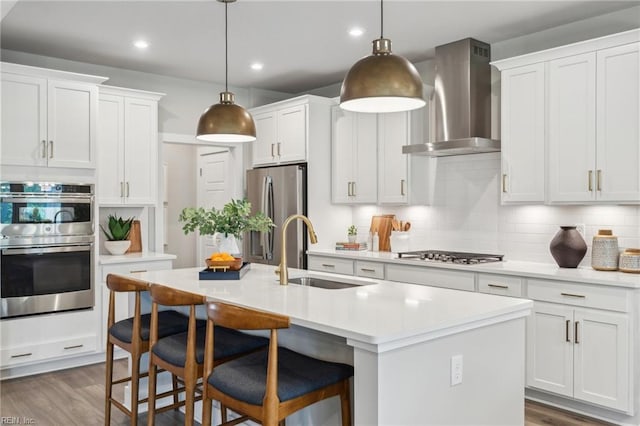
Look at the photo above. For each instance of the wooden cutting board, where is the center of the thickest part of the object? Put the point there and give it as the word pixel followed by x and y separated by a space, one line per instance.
pixel 382 225
pixel 135 237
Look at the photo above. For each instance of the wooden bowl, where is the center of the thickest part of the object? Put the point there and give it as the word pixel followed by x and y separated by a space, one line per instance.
pixel 224 265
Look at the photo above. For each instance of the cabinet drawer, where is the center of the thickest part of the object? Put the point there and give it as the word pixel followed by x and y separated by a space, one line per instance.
pixel 369 269
pixel 331 264
pixel 46 350
pixel 500 284
pixel 127 268
pixel 592 296
pixel 456 280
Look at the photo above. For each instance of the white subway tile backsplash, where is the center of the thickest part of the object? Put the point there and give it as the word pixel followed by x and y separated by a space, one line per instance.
pixel 466 215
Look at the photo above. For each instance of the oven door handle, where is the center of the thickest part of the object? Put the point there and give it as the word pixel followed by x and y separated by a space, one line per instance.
pixel 38 250
pixel 53 199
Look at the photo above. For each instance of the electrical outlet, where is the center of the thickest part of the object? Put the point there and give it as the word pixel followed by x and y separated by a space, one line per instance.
pixel 456 370
pixel 580 227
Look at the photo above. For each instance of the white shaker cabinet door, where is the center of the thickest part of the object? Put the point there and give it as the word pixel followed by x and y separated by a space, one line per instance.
pixel 365 165
pixel 140 159
pixel 111 150
pixel 264 147
pixel 342 154
pixel 24 120
pixel 72 121
pixel 291 143
pixel 601 358
pixel 523 136
pixel 618 125
pixel 393 165
pixel 550 348
pixel 571 130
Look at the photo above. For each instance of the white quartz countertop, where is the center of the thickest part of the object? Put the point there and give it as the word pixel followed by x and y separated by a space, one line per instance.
pixel 509 267
pixel 382 315
pixel 107 259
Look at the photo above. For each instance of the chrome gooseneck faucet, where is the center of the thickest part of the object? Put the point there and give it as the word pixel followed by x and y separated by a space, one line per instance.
pixel 282 268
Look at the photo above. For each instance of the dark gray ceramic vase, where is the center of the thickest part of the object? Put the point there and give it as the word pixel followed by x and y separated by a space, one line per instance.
pixel 568 247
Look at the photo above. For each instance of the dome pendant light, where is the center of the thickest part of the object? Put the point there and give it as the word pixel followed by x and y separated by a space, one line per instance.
pixel 382 82
pixel 226 121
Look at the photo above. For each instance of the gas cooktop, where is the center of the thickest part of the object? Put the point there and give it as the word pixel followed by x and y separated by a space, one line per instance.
pixel 451 256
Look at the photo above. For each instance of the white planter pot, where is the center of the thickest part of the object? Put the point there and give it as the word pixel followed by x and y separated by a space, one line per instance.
pixel 227 244
pixel 352 238
pixel 117 247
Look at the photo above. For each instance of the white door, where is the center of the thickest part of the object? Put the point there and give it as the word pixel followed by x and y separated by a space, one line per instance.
pixel 72 120
pixel 111 150
pixel 265 144
pixel 618 126
pixel 601 358
pixel 24 120
pixel 572 128
pixel 550 348
pixel 342 154
pixel 365 165
pixel 523 123
pixel 215 189
pixel 140 157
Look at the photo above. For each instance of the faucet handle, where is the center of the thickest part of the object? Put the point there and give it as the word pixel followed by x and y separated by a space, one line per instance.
pixel 277 270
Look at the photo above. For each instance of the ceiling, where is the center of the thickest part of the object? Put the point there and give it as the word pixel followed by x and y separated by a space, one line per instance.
pixel 303 44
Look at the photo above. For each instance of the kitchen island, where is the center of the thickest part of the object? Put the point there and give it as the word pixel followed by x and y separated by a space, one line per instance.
pixel 402 340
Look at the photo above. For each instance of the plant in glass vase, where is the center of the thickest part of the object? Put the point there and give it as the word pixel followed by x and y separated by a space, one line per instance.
pixel 226 225
pixel 117 235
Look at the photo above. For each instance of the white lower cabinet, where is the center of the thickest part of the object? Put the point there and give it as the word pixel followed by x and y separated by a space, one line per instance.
pixel 500 285
pixel 124 301
pixel 457 280
pixel 579 352
pixel 331 264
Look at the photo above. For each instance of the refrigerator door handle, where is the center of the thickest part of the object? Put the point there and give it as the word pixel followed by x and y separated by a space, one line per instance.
pixel 267 207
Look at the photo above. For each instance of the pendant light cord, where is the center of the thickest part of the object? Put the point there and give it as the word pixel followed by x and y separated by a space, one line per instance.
pixel 226 49
pixel 381 20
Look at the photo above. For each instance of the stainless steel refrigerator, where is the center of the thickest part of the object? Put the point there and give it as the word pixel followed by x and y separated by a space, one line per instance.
pixel 278 192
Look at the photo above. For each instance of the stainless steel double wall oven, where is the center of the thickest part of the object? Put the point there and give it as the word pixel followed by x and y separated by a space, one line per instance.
pixel 47 247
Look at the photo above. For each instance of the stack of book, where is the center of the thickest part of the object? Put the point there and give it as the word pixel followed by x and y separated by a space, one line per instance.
pixel 351 246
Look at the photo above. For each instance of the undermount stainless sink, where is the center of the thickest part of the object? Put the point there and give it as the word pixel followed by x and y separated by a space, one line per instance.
pixel 322 283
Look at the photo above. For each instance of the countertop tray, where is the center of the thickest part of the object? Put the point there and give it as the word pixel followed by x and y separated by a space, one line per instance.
pixel 208 274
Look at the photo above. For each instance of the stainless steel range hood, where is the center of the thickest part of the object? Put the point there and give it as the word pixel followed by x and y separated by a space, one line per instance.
pixel 462 102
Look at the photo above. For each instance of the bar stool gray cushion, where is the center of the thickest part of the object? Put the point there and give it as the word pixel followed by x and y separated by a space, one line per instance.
pixel 227 343
pixel 245 378
pixel 169 322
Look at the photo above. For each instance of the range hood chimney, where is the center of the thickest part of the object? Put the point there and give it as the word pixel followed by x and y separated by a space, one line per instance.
pixel 462 101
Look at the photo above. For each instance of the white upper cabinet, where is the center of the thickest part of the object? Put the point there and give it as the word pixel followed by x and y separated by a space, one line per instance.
pixel 49 118
pixel 523 124
pixel 618 123
pixel 571 130
pixel 282 131
pixel 128 147
pixel 583 100
pixel 393 165
pixel 353 157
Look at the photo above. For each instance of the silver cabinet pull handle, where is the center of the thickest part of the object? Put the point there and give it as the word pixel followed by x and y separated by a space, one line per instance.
pixel 50 149
pixel 121 189
pixel 401 186
pixel 127 189
pixel 278 149
pixel 498 286
pixel 504 182
pixel 367 270
pixel 573 295
pixel 590 180
pixel 599 180
pixel 349 189
pixel 272 154
pixel 328 265
pixel 575 332
pixel 566 331
pixel 22 355
pixel 353 189
pixel 44 149
pixel 73 347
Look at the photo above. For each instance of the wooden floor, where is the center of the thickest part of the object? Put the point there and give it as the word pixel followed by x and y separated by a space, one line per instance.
pixel 76 397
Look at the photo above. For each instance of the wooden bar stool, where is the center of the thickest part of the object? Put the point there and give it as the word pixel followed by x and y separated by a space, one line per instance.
pixel 270 384
pixel 132 335
pixel 183 354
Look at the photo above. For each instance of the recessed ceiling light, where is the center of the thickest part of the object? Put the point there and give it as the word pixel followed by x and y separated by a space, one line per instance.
pixel 256 66
pixel 356 32
pixel 141 44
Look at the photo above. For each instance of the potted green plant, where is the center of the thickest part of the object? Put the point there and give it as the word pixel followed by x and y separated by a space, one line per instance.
pixel 226 225
pixel 117 234
pixel 352 233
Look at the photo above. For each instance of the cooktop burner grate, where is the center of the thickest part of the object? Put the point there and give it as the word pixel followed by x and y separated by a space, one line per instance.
pixel 451 256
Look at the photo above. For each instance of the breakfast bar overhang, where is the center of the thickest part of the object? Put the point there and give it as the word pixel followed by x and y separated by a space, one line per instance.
pixel 404 339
